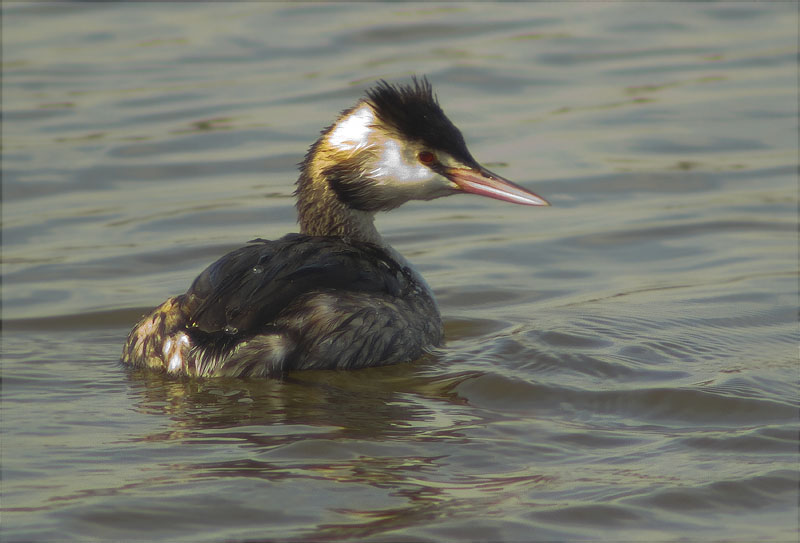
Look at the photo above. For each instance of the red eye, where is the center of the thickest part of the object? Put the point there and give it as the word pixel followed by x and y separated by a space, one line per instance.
pixel 426 157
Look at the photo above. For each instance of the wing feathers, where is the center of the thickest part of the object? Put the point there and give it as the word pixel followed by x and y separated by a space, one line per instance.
pixel 248 288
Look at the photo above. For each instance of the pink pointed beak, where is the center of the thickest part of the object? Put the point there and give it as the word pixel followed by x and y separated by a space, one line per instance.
pixel 483 182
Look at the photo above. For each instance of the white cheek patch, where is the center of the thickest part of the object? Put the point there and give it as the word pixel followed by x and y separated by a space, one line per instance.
pixel 393 165
pixel 353 131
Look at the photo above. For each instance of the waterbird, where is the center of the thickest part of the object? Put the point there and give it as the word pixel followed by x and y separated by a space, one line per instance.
pixel 335 295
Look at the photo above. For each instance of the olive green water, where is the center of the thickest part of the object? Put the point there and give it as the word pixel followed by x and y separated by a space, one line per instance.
pixel 621 366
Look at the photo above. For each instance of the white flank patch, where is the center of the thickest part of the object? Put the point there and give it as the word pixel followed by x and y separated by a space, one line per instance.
pixel 175 357
pixel 167 347
pixel 353 131
pixel 175 362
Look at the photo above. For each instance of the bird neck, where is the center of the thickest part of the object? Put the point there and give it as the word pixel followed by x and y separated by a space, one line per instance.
pixel 320 212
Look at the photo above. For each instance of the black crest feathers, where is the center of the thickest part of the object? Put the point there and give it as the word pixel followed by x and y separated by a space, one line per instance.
pixel 414 112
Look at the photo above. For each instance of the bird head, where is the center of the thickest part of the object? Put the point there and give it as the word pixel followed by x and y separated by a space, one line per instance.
pixel 397 145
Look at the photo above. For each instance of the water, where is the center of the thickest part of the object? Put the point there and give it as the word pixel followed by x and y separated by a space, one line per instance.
pixel 620 366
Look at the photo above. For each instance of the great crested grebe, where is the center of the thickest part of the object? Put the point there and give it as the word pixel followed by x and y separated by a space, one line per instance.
pixel 335 296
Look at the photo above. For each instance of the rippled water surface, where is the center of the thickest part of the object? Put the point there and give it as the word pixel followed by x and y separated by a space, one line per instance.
pixel 622 365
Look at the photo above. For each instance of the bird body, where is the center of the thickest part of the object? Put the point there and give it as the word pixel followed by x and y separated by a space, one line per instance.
pixel 334 296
